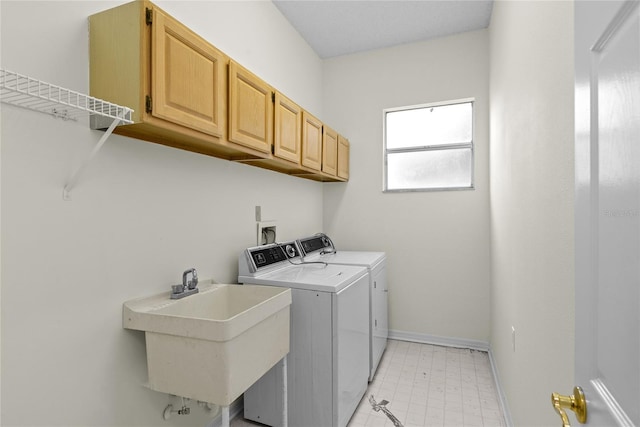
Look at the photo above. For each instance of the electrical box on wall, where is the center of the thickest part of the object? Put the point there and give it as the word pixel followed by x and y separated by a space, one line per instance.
pixel 266 232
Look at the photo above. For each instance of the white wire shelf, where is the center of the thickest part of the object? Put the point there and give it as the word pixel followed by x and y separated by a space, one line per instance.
pixel 27 92
pixel 33 94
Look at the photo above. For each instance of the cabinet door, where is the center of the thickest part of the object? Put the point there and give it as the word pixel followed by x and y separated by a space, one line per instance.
pixel 288 129
pixel 343 157
pixel 311 141
pixel 250 109
pixel 187 77
pixel 329 151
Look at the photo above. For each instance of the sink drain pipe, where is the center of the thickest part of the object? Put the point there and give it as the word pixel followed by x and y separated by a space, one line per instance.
pixel 185 410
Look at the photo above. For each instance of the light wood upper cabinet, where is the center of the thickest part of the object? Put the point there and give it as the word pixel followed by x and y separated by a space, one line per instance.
pixel 187 94
pixel 140 57
pixel 187 77
pixel 287 129
pixel 343 157
pixel 329 151
pixel 119 57
pixel 250 109
pixel 311 141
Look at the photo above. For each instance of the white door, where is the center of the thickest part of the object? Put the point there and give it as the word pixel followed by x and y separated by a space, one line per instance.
pixel 607 40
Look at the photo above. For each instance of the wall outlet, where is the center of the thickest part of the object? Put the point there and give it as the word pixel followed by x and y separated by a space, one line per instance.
pixel 266 233
pixel 513 338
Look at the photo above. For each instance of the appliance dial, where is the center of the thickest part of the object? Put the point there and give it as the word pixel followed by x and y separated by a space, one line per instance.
pixel 291 252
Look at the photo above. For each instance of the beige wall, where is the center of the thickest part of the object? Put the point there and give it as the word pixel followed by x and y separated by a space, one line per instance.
pixel 437 243
pixel 140 215
pixel 532 204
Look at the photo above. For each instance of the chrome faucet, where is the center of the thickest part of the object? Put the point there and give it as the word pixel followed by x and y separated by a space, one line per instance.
pixel 191 284
pixel 187 287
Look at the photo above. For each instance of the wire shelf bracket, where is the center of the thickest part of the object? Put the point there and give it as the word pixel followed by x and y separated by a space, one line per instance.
pixel 27 92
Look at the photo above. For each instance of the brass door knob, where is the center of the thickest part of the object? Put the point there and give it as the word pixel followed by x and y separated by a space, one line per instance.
pixel 576 402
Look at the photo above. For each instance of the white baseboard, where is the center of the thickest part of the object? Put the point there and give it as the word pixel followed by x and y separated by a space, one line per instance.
pixel 438 340
pixel 503 398
pixel 460 343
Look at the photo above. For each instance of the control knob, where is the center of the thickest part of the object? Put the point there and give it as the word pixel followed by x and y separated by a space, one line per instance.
pixel 291 251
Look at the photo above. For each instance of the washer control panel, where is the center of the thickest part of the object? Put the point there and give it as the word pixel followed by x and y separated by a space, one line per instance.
pixel 263 256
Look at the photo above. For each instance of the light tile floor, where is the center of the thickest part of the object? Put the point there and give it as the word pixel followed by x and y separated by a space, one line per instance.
pixel 428 385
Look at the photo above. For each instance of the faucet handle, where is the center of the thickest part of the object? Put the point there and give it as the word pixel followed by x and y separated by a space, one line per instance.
pixel 194 281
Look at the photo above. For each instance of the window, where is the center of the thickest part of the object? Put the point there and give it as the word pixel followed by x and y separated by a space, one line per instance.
pixel 429 147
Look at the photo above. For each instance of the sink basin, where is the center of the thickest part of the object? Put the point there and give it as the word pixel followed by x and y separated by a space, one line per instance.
pixel 213 345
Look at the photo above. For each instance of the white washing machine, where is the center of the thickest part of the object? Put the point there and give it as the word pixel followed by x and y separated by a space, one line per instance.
pixel 321 248
pixel 327 367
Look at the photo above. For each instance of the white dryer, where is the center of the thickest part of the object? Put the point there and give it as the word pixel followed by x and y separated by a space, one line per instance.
pixel 321 248
pixel 327 368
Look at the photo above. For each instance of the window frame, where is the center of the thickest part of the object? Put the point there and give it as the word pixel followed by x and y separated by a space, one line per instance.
pixel 441 147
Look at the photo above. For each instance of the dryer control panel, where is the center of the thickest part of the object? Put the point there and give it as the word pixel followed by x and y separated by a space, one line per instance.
pixel 264 256
pixel 316 243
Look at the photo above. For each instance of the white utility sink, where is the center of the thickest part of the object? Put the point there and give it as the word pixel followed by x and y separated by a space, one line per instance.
pixel 213 345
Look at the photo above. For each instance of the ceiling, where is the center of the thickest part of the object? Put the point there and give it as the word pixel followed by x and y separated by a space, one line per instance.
pixel 341 27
